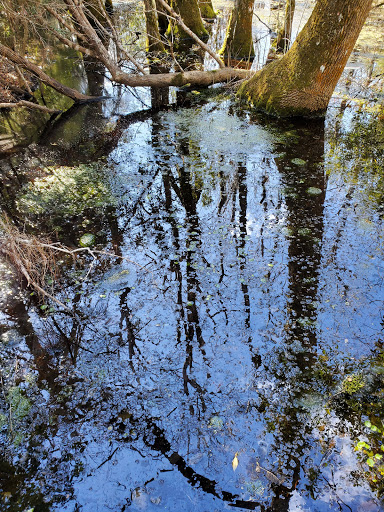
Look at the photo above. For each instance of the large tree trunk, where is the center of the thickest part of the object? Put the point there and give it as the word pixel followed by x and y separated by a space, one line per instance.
pixel 302 82
pixel 206 9
pixel 190 13
pixel 154 42
pixel 238 44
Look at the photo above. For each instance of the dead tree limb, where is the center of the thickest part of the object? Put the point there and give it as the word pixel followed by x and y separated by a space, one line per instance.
pixel 197 78
pixel 29 104
pixel 46 79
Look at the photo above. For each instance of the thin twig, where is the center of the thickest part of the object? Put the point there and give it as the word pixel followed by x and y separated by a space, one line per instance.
pixel 29 104
pixel 180 22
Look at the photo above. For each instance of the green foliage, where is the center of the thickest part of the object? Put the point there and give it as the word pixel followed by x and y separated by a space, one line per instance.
pixel 314 191
pixel 65 192
pixel 3 421
pixel 87 240
pixel 373 453
pixel 216 423
pixel 19 403
pixel 352 384
pixel 298 161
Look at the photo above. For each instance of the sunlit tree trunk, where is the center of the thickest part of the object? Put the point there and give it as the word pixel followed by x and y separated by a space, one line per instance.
pixel 206 10
pixel 301 83
pixel 190 14
pixel 238 42
pixel 284 35
pixel 154 42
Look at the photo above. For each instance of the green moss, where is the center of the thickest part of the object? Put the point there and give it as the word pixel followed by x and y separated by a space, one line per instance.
pixel 352 384
pixel 19 403
pixel 206 10
pixel 66 192
pixel 178 80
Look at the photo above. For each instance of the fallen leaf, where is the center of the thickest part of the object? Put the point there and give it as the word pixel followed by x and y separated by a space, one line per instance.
pixel 235 462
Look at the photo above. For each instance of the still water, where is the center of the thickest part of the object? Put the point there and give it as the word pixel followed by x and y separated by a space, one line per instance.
pixel 224 348
pixel 228 348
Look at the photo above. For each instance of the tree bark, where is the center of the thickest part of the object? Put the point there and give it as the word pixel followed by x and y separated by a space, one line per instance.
pixel 284 35
pixel 190 14
pixel 154 42
pixel 238 44
pixel 301 83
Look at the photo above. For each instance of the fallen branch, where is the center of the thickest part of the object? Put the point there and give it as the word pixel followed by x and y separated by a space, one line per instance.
pixel 29 104
pixel 202 78
pixel 46 79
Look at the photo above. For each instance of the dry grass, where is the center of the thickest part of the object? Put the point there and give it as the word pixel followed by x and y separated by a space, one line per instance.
pixel 36 259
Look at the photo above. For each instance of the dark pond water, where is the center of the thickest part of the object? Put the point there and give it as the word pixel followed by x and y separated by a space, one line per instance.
pixel 228 350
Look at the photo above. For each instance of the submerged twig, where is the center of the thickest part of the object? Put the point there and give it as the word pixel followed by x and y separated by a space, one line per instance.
pixel 271 476
pixel 36 258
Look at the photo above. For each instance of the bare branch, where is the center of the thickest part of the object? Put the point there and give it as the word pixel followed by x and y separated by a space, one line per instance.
pixel 46 79
pixel 188 31
pixel 63 22
pixel 29 104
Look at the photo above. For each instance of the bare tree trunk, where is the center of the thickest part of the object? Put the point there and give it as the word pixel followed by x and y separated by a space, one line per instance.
pixel 284 35
pixel 238 44
pixel 301 83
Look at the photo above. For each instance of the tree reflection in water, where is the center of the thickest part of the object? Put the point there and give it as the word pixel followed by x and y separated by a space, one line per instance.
pixel 204 342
